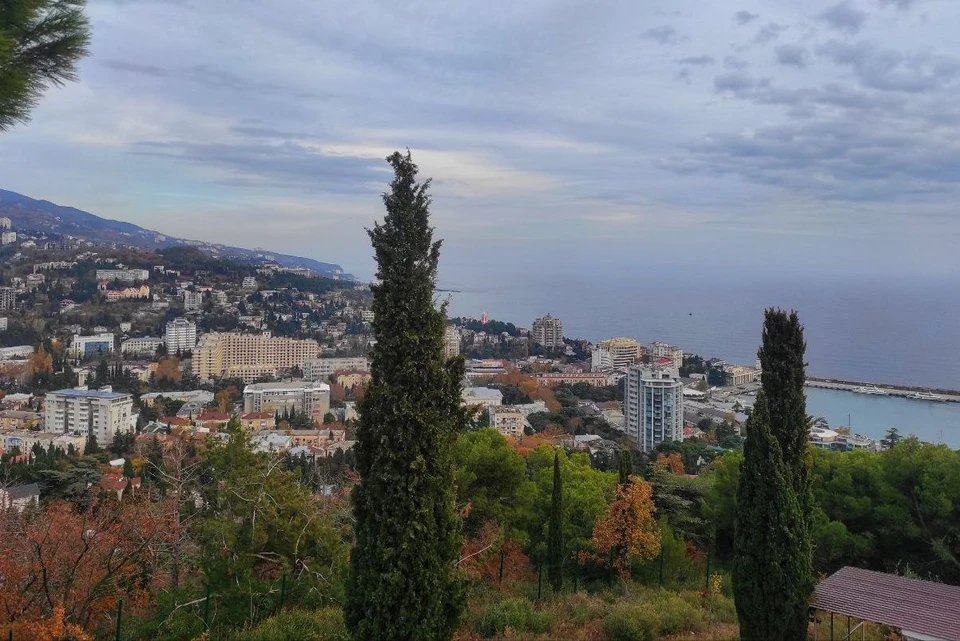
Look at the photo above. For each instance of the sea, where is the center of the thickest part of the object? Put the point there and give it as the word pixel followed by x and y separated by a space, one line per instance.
pixel 890 329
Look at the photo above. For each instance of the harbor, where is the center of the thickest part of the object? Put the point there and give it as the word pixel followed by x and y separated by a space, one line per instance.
pixel 874 389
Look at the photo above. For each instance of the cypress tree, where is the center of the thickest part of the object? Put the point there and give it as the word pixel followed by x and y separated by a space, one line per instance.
pixel 625 468
pixel 555 530
pixel 403 583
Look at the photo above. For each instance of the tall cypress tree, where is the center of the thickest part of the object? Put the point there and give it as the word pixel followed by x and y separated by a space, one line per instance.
pixel 555 530
pixel 403 580
pixel 625 467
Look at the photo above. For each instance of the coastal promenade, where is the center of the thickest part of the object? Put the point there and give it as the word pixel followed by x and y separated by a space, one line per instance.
pixel 948 396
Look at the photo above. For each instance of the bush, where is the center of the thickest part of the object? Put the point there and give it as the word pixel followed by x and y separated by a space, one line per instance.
pixel 299 625
pixel 516 614
pixel 631 622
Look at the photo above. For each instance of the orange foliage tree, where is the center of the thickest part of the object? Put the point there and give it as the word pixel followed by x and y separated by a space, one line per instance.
pixel 672 463
pixel 169 369
pixel 480 559
pixel 628 529
pixel 40 361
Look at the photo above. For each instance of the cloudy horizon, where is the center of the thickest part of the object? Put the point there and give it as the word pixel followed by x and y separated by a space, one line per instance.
pixel 822 133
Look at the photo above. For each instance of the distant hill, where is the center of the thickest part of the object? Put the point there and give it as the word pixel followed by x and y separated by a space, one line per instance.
pixel 41 216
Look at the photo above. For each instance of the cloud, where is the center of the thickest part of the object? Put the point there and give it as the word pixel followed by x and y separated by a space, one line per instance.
pixel 697 61
pixel 146 70
pixel 791 55
pixel 890 70
pixel 769 32
pixel 844 16
pixel 899 4
pixel 737 83
pixel 745 17
pixel 731 62
pixel 665 35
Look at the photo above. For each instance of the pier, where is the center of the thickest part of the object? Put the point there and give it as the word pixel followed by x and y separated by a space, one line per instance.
pixel 944 396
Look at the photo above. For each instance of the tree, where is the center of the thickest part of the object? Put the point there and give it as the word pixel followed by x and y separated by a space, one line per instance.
pixel 555 530
pixel 625 468
pixel 41 42
pixel 329 418
pixel 91 446
pixel 403 578
pixel 891 438
pixel 672 463
pixel 628 529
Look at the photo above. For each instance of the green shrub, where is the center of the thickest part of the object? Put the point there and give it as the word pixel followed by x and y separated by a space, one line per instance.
pixel 299 625
pixel 676 615
pixel 516 614
pixel 631 622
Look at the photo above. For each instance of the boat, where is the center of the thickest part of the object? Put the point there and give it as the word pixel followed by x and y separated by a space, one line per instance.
pixel 872 389
pixel 925 396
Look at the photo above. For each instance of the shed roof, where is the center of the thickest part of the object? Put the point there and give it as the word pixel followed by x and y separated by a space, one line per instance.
pixel 912 605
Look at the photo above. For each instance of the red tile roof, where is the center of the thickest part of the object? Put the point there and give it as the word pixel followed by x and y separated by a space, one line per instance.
pixel 214 416
pixel 912 605
pixel 255 416
pixel 175 420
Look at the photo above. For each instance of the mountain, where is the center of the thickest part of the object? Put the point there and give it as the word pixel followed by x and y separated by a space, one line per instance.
pixel 32 216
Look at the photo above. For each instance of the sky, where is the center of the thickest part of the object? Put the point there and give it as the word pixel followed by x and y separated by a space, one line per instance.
pixel 761 135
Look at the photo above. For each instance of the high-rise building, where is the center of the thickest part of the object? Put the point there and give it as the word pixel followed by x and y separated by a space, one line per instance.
pixel 181 335
pixel 310 397
pixel 101 413
pixel 8 299
pixel 548 332
pixel 451 342
pixel 615 353
pixel 657 351
pixel 249 356
pixel 653 406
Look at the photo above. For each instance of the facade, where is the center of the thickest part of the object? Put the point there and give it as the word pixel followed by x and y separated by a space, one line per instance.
pixel 737 375
pixel 142 345
pixel 596 379
pixel 616 353
pixel 257 421
pixel 124 275
pixel 348 379
pixel 507 420
pixel 127 293
pixel 84 346
pixel 484 397
pixel 80 411
pixel 653 406
pixel 8 299
pixel 18 420
pixel 548 332
pixel 200 397
pixel 180 336
pixel 249 282
pixel 20 497
pixel 322 368
pixel 303 396
pixel 451 342
pixel 249 356
pixel 192 301
pixel 657 350
pixel 4 323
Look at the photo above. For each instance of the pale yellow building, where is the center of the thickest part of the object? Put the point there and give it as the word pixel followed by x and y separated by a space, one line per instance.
pixel 249 356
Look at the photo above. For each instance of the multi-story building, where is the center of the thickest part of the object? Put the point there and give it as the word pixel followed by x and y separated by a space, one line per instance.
pixel 140 345
pixel 616 353
pixel 192 301
pixel 596 379
pixel 484 397
pixel 200 397
pixel 18 420
pixel 249 282
pixel 124 275
pixel 548 332
pixel 249 356
pixel 451 342
pixel 311 397
pixel 6 223
pixel 658 350
pixel 180 336
pixel 507 420
pixel 8 238
pixel 101 413
pixel 653 406
pixel 737 375
pixel 8 299
pixel 85 346
pixel 4 323
pixel 321 369
pixel 127 293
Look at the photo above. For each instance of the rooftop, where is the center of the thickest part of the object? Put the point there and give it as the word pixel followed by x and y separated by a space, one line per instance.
pixel 289 386
pixel 90 393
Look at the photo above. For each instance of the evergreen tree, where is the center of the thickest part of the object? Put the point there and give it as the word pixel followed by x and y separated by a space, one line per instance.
pixel 404 583
pixel 555 530
pixel 90 446
pixel 625 468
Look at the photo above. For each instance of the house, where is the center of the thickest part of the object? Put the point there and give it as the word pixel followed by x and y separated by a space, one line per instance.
pixel 213 419
pixel 271 442
pixel 119 484
pixel 18 420
pixel 19 497
pixel 256 421
pixel 317 438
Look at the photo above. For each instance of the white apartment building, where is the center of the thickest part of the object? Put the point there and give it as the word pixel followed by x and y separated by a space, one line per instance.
pixel 321 368
pixel 6 223
pixel 615 353
pixel 85 346
pixel 249 356
pixel 141 345
pixel 83 412
pixel 657 350
pixel 4 323
pixel 451 342
pixel 8 238
pixel 180 335
pixel 8 299
pixel 508 420
pixel 312 397
pixel 653 406
pixel 124 275
pixel 192 301
pixel 249 282
pixel 548 332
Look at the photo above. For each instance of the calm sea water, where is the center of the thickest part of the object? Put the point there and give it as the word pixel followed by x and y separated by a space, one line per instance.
pixel 874 329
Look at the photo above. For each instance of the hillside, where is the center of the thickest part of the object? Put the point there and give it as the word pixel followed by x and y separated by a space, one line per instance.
pixel 41 216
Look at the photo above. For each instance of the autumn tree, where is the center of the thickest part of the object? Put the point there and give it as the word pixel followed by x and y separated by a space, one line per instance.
pixel 628 528
pixel 404 582
pixel 672 463
pixel 40 362
pixel 168 370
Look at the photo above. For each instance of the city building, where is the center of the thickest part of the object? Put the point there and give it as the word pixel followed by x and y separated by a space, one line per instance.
pixel 19 497
pixel 596 379
pixel 653 406
pixel 16 352
pixel 507 420
pixel 257 421
pixel 18 420
pixel 548 332
pixel 192 301
pixel 141 345
pixel 4 323
pixel 311 397
pixel 83 412
pixel 658 350
pixel 348 379
pixel 249 282
pixel 124 275
pixel 737 375
pixel 8 299
pixel 6 223
pixel 321 369
pixel 249 356
pixel 200 397
pixel 180 335
pixel 85 346
pixel 8 238
pixel 451 342
pixel 483 397
pixel 127 293
pixel 615 353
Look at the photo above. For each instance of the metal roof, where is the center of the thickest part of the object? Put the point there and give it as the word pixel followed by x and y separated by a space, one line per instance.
pixel 912 605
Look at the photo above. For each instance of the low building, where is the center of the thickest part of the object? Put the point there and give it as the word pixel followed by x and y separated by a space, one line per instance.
pixel 19 497
pixel 311 397
pixel 123 275
pixel 322 369
pixel 200 396
pixel 507 420
pixel 352 378
pixel 258 421
pixel 19 420
pixel 823 438
pixel 127 293
pixel 15 352
pixel 87 346
pixel 140 345
pixel 271 442
pixel 483 397
pixel 317 438
pixel 737 375
pixel 595 379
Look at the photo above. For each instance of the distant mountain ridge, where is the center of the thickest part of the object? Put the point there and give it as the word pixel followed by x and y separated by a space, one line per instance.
pixel 41 216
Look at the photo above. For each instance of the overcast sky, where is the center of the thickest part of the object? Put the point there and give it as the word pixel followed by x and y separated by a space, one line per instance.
pixel 807 133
